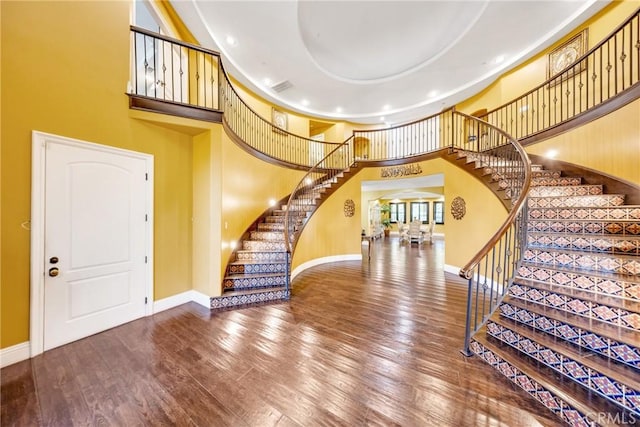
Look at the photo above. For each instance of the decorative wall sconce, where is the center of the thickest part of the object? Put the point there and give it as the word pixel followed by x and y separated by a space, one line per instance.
pixel 349 208
pixel 458 208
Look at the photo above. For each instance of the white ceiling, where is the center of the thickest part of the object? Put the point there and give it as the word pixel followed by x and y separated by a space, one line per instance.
pixel 377 61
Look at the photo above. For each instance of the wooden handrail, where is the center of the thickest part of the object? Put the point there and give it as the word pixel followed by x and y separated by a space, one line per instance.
pixel 569 67
pixel 517 206
pixel 174 41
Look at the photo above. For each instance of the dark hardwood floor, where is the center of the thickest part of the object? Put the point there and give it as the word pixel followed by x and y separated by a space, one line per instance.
pixel 360 343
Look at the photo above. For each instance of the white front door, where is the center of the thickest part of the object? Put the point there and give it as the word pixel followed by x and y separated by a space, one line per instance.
pixel 95 228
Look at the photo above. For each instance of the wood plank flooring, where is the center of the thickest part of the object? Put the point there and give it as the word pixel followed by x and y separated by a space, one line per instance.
pixel 360 343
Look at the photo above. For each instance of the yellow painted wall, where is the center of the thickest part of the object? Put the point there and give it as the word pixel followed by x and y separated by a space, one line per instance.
pixel 330 233
pixel 204 228
pixel 533 72
pixel 53 81
pixel 485 214
pixel 67 76
pixel 248 184
pixel 610 144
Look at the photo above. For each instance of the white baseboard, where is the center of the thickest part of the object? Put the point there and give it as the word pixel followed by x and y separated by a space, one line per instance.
pixel 179 299
pixel 452 269
pixel 302 267
pixel 14 354
pixel 200 298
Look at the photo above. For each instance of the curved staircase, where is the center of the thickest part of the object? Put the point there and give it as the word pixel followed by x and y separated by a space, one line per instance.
pixel 568 332
pixel 259 272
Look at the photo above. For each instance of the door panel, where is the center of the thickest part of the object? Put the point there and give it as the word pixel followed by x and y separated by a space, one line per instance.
pixel 95 226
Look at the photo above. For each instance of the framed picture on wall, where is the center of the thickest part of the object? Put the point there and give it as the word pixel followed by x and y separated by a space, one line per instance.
pixel 565 55
pixel 279 119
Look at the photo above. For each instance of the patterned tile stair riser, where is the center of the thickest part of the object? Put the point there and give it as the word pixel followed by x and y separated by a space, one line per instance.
pixel 612 244
pixel 624 228
pixel 248 299
pixel 611 213
pixel 577 291
pixel 617 392
pixel 250 281
pixel 600 201
pixel 270 256
pixel 259 272
pixel 605 346
pixel 257 268
pixel 547 181
pixel 565 190
pixel 595 262
pixel 615 316
pixel 563 409
pixel 614 286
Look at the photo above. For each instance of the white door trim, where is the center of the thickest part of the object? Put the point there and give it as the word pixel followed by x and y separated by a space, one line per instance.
pixel 38 158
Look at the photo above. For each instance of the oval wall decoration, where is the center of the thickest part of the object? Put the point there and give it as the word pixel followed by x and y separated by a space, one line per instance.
pixel 349 208
pixel 458 208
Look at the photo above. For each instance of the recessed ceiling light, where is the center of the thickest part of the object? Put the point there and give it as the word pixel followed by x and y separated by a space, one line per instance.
pixel 231 41
pixel 338 109
pixel 386 107
pixel 267 81
pixel 433 93
pixel 382 119
pixel 304 102
pixel 551 153
pixel 498 59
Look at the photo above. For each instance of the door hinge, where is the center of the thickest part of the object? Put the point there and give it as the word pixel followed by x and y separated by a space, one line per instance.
pixel 146 218
pixel 145 300
pixel 146 176
pixel 145 259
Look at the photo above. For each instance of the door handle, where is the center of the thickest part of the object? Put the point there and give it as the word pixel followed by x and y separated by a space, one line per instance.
pixel 53 271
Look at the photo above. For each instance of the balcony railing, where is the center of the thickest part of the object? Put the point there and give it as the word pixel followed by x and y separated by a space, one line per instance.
pixel 400 142
pixel 601 75
pixel 492 269
pixel 267 140
pixel 179 73
pixel 175 73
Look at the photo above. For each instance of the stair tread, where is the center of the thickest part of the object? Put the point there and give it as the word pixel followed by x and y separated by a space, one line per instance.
pixel 620 373
pixel 570 186
pixel 631 220
pixel 572 197
pixel 600 298
pixel 263 240
pixel 252 291
pixel 585 235
pixel 579 271
pixel 253 262
pixel 569 391
pixel 607 330
pixel 579 252
pixel 251 275
pixel 266 251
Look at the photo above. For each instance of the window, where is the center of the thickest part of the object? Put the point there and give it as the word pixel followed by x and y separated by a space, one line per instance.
pixel 420 210
pixel 398 212
pixel 438 212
